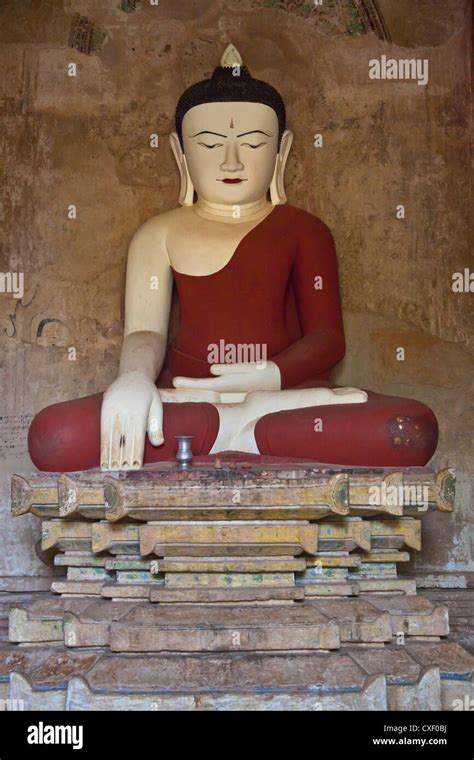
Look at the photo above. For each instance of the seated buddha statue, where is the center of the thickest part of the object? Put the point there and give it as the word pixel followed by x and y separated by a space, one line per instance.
pixel 260 323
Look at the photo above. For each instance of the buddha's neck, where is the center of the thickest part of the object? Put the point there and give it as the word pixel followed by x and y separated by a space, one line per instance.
pixel 235 214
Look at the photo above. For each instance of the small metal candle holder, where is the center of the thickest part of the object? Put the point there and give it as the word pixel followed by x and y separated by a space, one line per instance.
pixel 184 455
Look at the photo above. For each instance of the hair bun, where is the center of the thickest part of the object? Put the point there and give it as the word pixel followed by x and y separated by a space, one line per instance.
pixel 230 85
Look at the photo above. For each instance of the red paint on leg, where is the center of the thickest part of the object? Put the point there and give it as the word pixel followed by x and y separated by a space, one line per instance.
pixel 366 435
pixel 65 437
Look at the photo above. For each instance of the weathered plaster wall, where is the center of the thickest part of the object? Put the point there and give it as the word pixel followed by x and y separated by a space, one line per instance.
pixel 84 140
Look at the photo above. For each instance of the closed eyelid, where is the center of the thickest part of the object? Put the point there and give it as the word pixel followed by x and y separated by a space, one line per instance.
pixel 215 145
pixel 254 146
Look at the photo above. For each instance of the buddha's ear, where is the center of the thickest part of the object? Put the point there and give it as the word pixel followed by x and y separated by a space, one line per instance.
pixel 277 187
pixel 186 192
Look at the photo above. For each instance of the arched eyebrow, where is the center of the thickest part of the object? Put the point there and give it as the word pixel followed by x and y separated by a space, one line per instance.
pixel 254 131
pixel 207 132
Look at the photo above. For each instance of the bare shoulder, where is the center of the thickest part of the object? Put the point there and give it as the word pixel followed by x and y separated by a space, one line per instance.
pixel 159 225
pixel 150 239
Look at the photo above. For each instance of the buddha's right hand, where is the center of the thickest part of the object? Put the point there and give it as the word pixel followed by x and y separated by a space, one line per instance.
pixel 131 408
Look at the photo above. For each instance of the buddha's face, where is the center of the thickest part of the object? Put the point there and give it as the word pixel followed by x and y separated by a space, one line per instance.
pixel 231 150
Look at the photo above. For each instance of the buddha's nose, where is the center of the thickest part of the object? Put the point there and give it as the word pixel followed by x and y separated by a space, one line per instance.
pixel 231 161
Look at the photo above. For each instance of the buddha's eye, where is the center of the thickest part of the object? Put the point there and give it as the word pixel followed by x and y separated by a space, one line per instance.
pixel 205 145
pixel 249 145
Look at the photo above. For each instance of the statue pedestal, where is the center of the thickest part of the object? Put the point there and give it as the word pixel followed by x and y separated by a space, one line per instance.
pixel 271 560
pixel 233 531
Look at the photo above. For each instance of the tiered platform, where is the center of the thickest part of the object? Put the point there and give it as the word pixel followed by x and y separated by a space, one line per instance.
pixel 233 585
pixel 255 533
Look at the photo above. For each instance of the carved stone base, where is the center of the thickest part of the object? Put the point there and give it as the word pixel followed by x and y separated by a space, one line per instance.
pixel 417 676
pixel 80 622
pixel 277 586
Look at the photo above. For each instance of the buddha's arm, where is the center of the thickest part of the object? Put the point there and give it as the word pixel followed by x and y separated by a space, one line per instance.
pixel 132 405
pixel 316 287
pixel 147 301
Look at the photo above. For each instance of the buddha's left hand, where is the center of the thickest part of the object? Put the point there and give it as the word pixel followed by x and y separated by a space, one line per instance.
pixel 234 378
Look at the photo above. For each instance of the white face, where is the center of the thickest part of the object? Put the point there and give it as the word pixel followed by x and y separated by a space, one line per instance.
pixel 231 150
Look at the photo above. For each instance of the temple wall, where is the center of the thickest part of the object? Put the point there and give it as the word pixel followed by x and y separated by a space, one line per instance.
pixel 84 140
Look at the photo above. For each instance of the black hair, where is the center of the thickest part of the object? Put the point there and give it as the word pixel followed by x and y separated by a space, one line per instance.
pixel 228 84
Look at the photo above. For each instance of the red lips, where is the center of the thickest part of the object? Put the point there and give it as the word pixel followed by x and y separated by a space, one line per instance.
pixel 232 181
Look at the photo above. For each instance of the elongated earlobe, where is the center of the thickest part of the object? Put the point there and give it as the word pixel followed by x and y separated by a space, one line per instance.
pixel 186 192
pixel 277 187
